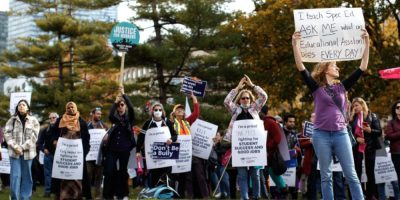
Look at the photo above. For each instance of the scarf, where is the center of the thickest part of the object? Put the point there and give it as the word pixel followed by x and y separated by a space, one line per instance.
pixel 182 127
pixel 359 132
pixel 71 122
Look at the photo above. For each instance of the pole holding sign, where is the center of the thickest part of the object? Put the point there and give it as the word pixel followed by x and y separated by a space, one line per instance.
pixel 123 37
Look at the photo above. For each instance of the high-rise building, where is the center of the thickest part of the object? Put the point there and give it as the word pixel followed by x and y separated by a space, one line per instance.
pixel 23 25
pixel 3 30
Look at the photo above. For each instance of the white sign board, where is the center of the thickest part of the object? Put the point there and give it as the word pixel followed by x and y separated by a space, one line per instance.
pixel 330 34
pixel 5 162
pixel 16 97
pixel 249 141
pixel 202 138
pixel 41 157
pixel 68 159
pixel 384 170
pixel 160 134
pixel 184 163
pixel 96 135
pixel 289 177
pixel 336 167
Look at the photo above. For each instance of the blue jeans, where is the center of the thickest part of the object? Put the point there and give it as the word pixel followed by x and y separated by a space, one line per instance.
pixel 243 181
pixel 381 190
pixel 224 185
pixel 47 168
pixel 327 143
pixel 20 178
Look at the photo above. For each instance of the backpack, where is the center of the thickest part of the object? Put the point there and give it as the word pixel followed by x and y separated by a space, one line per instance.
pixel 162 191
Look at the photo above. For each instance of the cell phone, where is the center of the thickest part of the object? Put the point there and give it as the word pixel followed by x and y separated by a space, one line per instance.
pixel 365 124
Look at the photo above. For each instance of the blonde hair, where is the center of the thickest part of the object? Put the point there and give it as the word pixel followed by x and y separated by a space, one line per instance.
pixel 363 104
pixel 238 96
pixel 318 73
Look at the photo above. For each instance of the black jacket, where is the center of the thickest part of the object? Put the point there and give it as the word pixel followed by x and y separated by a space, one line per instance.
pixel 371 139
pixel 45 140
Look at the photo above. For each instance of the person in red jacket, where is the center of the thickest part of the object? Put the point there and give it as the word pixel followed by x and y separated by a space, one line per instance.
pixel 392 132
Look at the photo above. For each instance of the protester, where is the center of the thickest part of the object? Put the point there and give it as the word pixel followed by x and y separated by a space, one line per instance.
pixel 45 144
pixel 21 133
pixel 120 142
pixel 95 172
pixel 330 134
pixel 72 126
pixel 392 132
pixel 245 107
pixel 222 173
pixel 366 135
pixel 158 119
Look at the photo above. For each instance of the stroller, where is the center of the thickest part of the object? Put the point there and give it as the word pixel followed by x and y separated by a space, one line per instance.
pixel 162 191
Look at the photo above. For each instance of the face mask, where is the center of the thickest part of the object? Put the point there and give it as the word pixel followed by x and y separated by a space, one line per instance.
pixel 244 106
pixel 157 114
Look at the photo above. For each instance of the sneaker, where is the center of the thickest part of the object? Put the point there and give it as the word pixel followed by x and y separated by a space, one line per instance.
pixel 218 195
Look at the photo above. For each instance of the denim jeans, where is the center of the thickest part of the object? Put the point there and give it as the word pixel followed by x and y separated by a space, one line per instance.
pixel 47 168
pixel 327 143
pixel 382 193
pixel 243 181
pixel 224 185
pixel 20 178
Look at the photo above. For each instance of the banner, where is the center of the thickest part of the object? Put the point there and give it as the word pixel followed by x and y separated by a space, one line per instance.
pixel 184 163
pixel 249 141
pixel 202 138
pixel 5 162
pixel 308 129
pixel 384 170
pixel 96 135
pixel 393 73
pixel 289 177
pixel 330 34
pixel 16 97
pixel 68 159
pixel 156 135
pixel 163 151
pixel 198 87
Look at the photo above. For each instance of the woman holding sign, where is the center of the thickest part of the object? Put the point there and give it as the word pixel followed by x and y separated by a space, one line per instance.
pixel 330 134
pixel 244 107
pixel 21 133
pixel 157 119
pixel 71 126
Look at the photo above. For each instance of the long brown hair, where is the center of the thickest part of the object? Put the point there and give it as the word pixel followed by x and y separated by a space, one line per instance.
pixel 318 73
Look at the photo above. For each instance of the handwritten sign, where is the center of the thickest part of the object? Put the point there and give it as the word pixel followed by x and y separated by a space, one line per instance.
pixel 308 129
pixel 202 135
pixel 249 141
pixel 163 151
pixel 96 135
pixel 184 163
pixel 198 87
pixel 153 135
pixel 330 34
pixel 68 159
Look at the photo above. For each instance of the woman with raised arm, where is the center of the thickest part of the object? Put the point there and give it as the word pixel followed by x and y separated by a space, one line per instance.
pixel 330 135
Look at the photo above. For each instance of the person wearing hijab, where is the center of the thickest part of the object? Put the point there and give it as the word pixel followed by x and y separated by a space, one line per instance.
pixel 21 133
pixel 72 126
pixel 121 141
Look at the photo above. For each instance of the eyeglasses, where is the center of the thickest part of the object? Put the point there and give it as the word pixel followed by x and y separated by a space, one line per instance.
pixel 245 98
pixel 156 110
pixel 121 105
pixel 397 107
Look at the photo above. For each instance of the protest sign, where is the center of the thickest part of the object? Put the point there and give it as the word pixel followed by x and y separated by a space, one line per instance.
pixel 289 177
pixel 198 87
pixel 330 34
pixel 163 151
pixel 184 163
pixel 308 129
pixel 293 160
pixel 202 138
pixel 159 134
pixel 124 36
pixel 96 135
pixel 68 159
pixel 4 162
pixel 16 97
pixel 249 141
pixel 384 170
pixel 41 157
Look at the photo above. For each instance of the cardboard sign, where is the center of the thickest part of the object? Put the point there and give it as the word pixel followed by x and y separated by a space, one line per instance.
pixel 384 170
pixel 330 34
pixel 68 159
pixel 197 86
pixel 184 163
pixel 5 162
pixel 202 138
pixel 163 151
pixel 96 135
pixel 308 129
pixel 159 134
pixel 16 97
pixel 249 141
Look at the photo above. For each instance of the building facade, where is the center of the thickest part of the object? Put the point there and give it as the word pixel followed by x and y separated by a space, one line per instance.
pixel 3 30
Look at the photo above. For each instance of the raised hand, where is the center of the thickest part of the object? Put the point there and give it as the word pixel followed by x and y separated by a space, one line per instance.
pixel 241 83
pixel 248 81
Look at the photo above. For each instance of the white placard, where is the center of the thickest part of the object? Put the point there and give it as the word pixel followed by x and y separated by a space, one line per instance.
pixel 364 177
pixel 289 177
pixel 202 138
pixel 249 141
pixel 4 162
pixel 68 159
pixel 336 167
pixel 184 163
pixel 41 157
pixel 330 34
pixel 384 170
pixel 161 134
pixel 16 97
pixel 96 135
pixel 389 192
